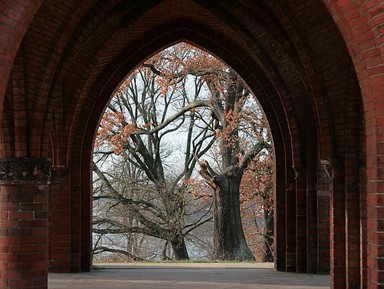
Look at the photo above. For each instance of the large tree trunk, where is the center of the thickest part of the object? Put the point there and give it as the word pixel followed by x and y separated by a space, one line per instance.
pixel 175 207
pixel 179 248
pixel 229 239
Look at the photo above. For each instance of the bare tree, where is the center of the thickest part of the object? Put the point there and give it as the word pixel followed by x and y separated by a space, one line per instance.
pixel 256 198
pixel 185 90
pixel 136 126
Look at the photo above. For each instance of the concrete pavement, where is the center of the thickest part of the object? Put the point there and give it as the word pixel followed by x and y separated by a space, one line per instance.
pixel 187 276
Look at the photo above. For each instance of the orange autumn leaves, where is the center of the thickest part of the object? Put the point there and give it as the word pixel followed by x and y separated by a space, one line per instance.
pixel 114 131
pixel 183 59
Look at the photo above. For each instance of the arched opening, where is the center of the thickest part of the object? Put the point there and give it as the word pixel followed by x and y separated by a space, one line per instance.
pixel 296 192
pixel 290 189
pixel 197 151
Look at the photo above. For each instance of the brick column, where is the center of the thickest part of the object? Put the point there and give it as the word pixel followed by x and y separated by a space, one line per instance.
pixel 301 220
pixel 324 188
pixel 279 211
pixel 24 223
pixel 290 221
pixel 336 172
pixel 60 221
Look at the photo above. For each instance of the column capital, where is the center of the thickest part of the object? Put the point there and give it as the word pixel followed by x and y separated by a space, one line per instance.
pixel 19 171
pixel 329 166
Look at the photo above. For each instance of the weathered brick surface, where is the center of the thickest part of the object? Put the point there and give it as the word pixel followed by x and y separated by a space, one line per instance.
pixel 23 236
pixel 15 18
pixel 361 26
pixel 315 66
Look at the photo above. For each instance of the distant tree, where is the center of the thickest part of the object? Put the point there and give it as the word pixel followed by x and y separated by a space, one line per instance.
pixel 242 135
pixel 256 199
pixel 135 131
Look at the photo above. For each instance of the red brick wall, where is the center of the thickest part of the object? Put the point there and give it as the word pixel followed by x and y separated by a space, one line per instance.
pixel 60 221
pixel 23 236
pixel 15 18
pixel 361 24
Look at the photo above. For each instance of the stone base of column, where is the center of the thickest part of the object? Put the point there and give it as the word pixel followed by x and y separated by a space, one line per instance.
pixel 24 223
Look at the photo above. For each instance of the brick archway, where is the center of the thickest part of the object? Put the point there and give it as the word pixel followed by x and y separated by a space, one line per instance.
pixel 315 69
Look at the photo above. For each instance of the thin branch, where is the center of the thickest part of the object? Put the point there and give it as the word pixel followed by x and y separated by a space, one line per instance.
pixel 101 249
pixel 196 225
pixel 252 153
pixel 200 103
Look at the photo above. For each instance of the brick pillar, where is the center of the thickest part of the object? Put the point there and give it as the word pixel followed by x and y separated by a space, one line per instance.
pixel 290 221
pixel 353 248
pixel 301 220
pixel 323 216
pixel 312 225
pixel 60 221
pixel 363 228
pixel 335 171
pixel 279 211
pixel 24 223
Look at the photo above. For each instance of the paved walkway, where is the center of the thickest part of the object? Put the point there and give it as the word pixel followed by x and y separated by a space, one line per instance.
pixel 187 276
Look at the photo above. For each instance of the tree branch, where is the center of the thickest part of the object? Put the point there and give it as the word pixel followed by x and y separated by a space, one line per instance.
pixel 101 249
pixel 190 70
pixel 208 173
pixel 192 105
pixel 196 225
pixel 252 153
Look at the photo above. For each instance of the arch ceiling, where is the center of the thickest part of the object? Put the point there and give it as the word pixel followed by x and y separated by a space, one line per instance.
pixel 75 53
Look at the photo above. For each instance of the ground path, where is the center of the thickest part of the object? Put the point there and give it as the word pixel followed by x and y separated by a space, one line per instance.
pixel 186 276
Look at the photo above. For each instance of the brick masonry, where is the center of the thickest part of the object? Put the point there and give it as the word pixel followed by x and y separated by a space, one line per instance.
pixel 24 222
pixel 315 66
